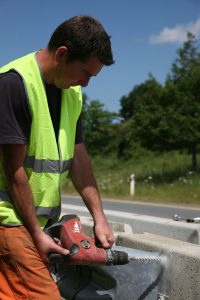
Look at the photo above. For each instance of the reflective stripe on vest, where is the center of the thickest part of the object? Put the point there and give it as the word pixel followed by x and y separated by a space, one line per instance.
pixel 47 166
pixel 40 211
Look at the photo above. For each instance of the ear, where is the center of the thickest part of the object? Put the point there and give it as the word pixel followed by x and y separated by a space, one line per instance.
pixel 61 54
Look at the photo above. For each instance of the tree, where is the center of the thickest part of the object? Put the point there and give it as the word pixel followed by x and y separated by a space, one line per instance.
pixel 183 84
pixel 166 118
pixel 188 58
pixel 128 102
pixel 143 127
pixel 98 126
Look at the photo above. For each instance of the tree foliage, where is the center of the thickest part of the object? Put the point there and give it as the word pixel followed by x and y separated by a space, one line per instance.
pixel 98 126
pixel 166 117
pixel 153 116
pixel 143 127
pixel 184 82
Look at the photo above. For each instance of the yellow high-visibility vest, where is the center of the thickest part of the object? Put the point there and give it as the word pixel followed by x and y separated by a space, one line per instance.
pixel 47 161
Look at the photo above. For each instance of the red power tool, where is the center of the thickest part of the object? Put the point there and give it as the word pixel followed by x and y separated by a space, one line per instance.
pixel 83 249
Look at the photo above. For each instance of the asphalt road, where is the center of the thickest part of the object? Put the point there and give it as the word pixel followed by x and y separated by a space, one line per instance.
pixel 150 209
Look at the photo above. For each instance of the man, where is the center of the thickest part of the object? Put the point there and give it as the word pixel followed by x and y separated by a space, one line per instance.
pixel 41 141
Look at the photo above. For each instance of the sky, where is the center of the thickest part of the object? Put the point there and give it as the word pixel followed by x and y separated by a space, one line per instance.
pixel 145 36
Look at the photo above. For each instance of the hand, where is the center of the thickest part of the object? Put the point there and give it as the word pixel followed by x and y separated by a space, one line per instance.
pixel 45 244
pixel 104 233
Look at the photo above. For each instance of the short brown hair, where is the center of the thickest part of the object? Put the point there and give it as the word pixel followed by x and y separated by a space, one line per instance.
pixel 84 36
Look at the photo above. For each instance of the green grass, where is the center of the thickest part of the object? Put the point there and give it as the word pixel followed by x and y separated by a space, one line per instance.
pixel 158 177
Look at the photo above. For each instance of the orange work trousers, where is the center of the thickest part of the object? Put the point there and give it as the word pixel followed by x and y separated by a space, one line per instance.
pixel 23 274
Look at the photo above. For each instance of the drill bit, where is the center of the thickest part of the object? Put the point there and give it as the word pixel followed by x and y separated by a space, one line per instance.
pixel 145 258
pixel 138 255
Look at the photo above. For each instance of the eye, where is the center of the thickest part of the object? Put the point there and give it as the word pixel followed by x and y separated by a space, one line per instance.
pixel 87 73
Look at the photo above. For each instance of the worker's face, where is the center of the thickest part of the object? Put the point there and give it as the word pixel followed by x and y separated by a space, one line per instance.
pixel 76 72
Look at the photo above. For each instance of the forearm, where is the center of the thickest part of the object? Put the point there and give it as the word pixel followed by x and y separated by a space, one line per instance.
pixel 12 157
pixel 20 191
pixel 82 176
pixel 93 202
pixel 83 179
pixel 19 188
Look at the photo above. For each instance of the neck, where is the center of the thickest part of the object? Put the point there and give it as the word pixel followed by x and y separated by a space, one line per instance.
pixel 45 61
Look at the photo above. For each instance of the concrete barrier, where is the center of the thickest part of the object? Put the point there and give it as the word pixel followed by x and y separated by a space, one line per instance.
pixel 148 276
pixel 188 232
pixel 185 255
pixel 185 280
pixel 185 276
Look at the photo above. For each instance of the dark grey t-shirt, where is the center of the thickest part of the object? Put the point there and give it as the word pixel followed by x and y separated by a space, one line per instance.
pixel 15 115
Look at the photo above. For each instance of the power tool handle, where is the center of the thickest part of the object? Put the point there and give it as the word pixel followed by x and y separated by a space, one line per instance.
pixel 56 258
pixel 59 258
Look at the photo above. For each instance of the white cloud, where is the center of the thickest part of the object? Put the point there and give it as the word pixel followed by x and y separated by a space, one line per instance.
pixel 177 34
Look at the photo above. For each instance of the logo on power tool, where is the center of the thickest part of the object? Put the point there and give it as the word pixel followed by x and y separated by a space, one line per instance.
pixel 76 227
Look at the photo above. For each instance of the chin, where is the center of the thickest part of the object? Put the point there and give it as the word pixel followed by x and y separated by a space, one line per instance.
pixel 64 86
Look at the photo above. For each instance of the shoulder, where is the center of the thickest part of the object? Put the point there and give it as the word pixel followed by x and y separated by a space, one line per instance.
pixel 10 78
pixel 11 84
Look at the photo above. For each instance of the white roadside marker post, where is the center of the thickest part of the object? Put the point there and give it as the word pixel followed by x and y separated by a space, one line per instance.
pixel 132 184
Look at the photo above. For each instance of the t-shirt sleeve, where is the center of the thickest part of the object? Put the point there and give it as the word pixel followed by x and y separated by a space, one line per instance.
pixel 79 133
pixel 15 120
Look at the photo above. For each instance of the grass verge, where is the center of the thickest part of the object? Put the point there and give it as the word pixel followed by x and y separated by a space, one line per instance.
pixel 158 177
